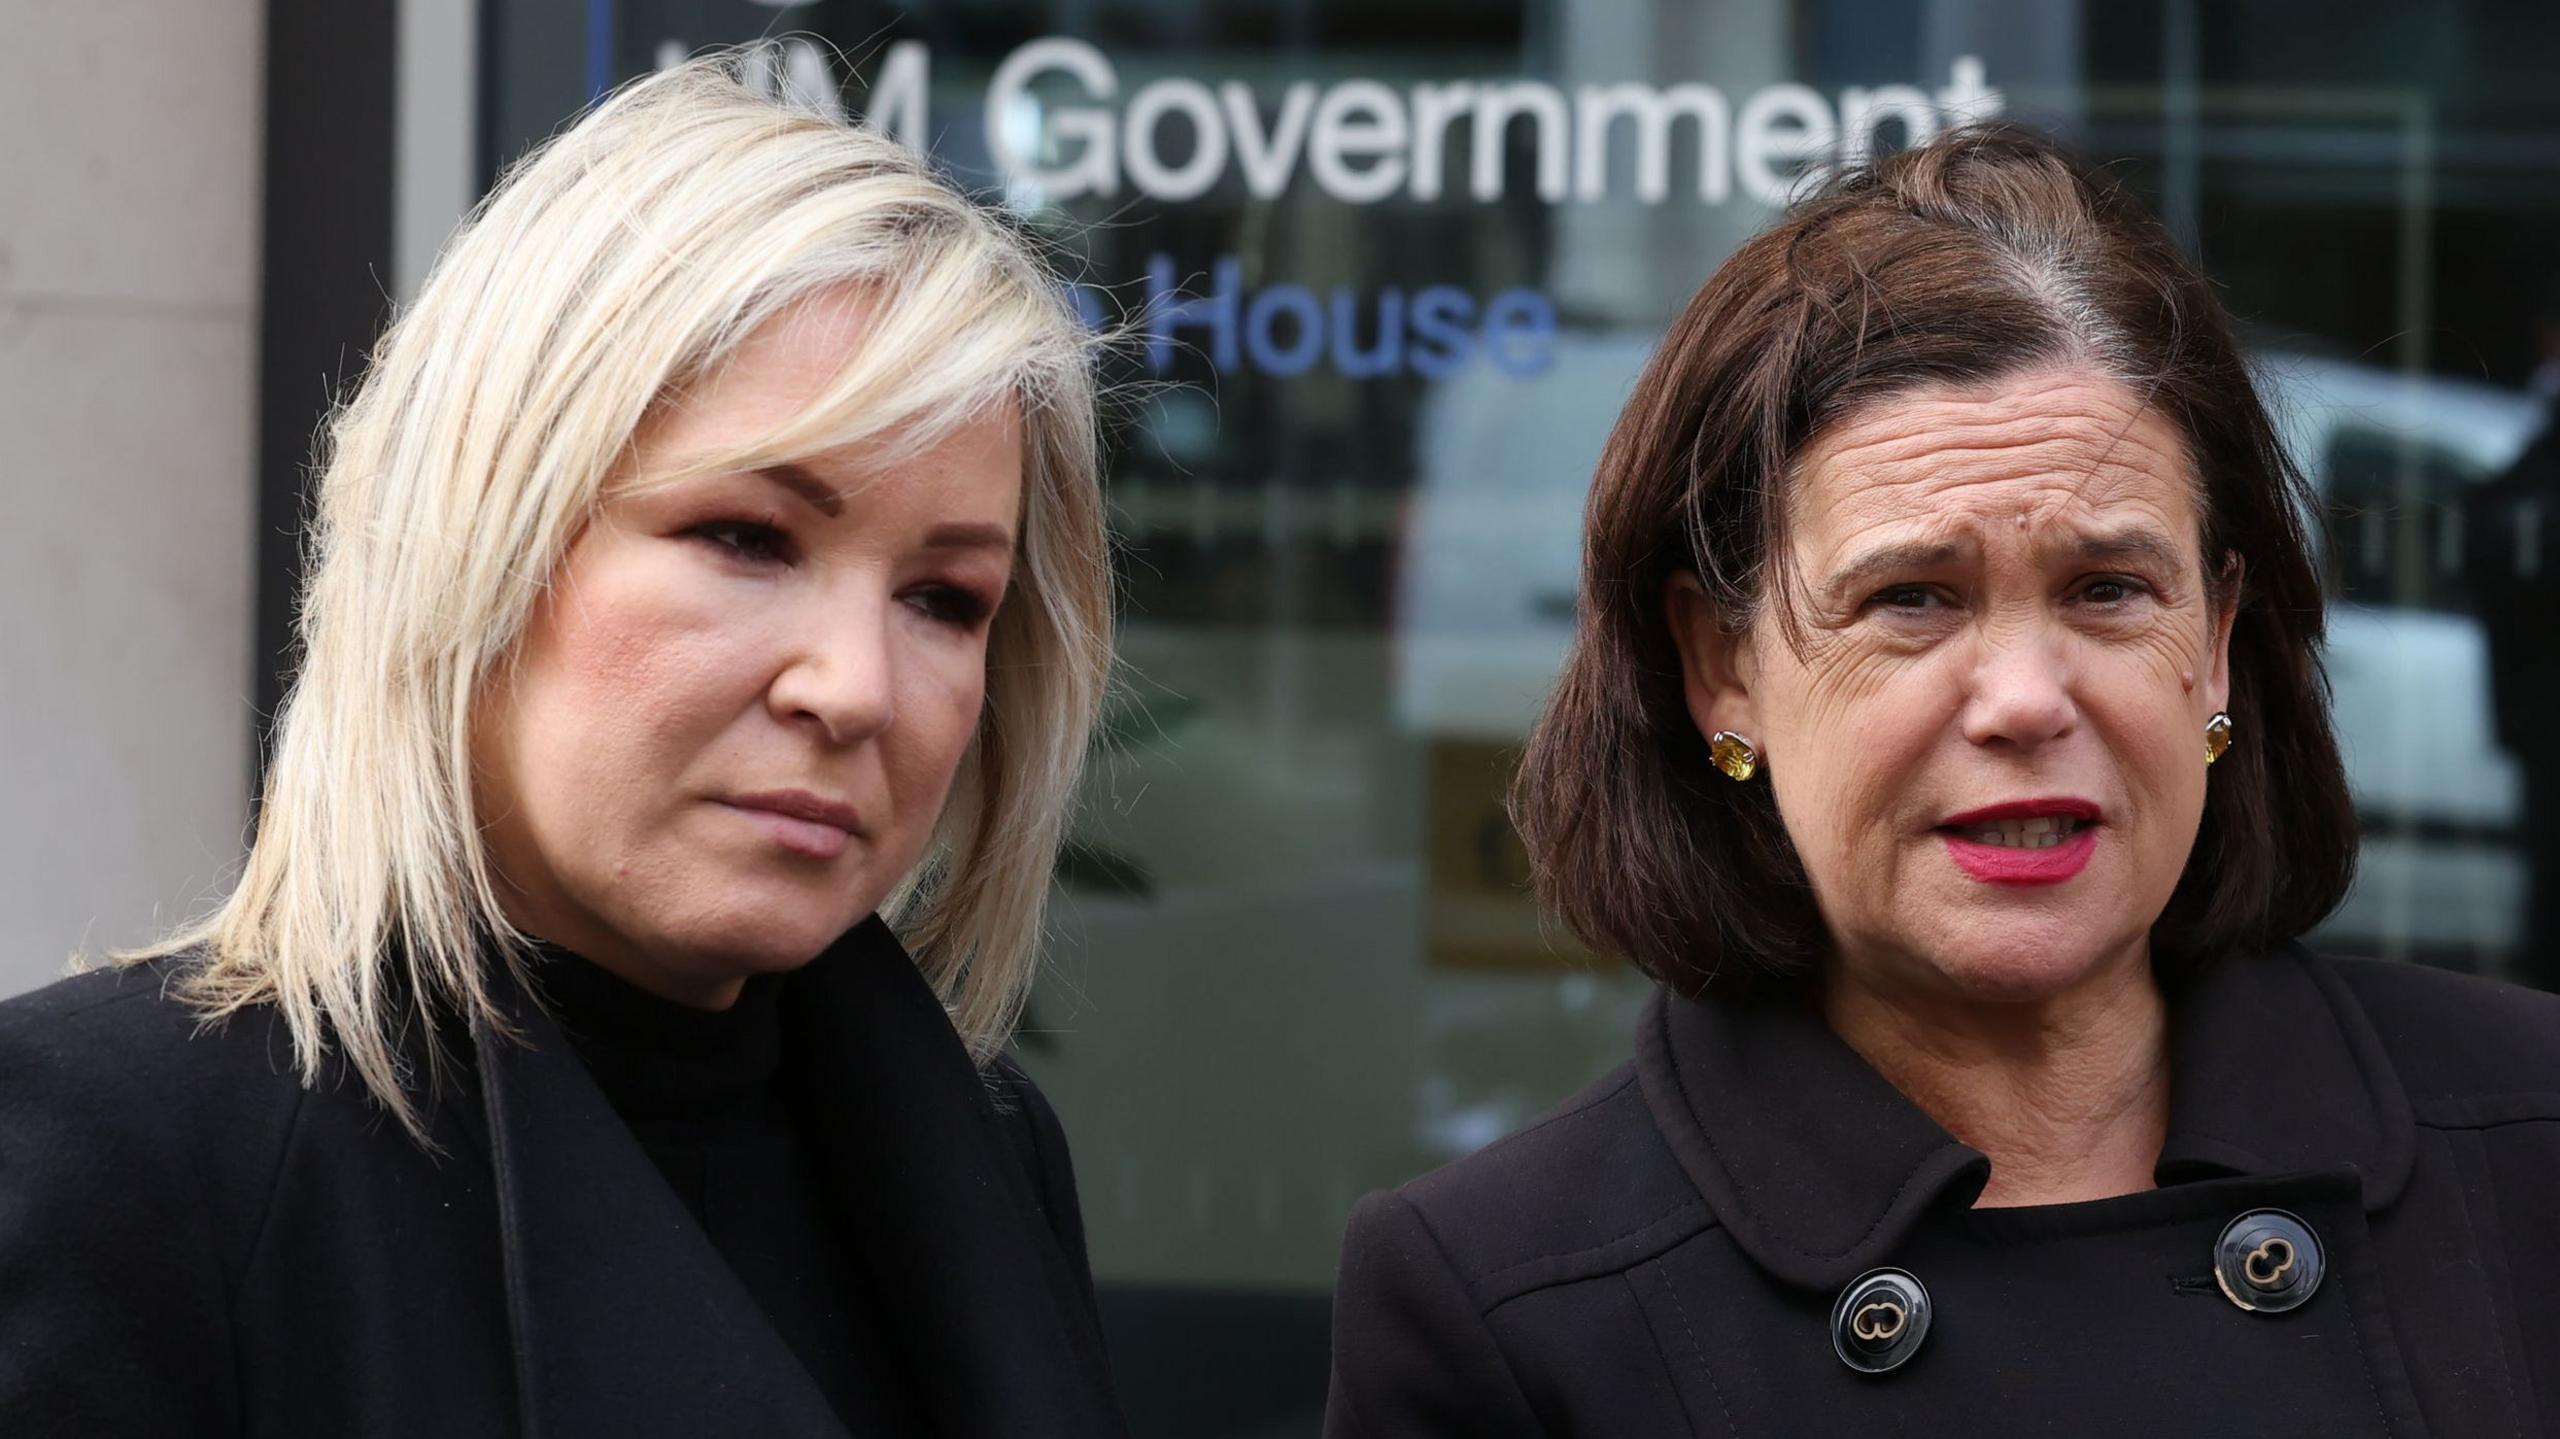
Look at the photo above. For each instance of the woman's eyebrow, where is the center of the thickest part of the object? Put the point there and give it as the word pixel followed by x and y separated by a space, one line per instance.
pixel 1877 565
pixel 966 536
pixel 2140 543
pixel 799 481
pixel 959 535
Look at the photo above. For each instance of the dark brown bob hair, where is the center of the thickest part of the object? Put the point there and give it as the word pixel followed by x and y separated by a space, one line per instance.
pixel 1981 254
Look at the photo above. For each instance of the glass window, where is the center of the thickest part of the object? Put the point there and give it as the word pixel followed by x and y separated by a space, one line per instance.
pixel 1392 268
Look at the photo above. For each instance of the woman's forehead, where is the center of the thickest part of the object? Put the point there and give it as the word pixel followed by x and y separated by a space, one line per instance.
pixel 2052 456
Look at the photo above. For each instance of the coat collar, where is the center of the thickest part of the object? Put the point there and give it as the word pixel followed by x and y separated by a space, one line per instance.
pixel 1819 1168
pixel 625 1319
pixel 1003 1321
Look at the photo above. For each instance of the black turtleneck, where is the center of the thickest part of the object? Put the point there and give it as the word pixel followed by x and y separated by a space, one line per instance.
pixel 702 1091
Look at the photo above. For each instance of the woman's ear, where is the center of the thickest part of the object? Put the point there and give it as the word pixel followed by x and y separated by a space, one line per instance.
pixel 1715 667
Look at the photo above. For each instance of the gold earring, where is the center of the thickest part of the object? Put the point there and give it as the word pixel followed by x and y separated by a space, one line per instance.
pixel 2217 737
pixel 1733 754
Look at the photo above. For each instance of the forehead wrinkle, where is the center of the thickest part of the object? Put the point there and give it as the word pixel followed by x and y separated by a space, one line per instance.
pixel 2090 462
pixel 2069 524
pixel 1927 452
pixel 1979 513
pixel 1921 420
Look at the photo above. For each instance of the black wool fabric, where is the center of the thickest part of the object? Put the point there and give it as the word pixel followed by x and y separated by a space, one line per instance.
pixel 703 1093
pixel 1687 1247
pixel 194 1242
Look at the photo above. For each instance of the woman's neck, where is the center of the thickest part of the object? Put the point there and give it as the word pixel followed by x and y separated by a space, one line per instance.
pixel 2068 1095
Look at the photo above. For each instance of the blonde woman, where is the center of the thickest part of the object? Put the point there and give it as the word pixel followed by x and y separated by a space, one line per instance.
pixel 708 610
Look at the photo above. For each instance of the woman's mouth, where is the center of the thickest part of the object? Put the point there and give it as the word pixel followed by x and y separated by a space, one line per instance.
pixel 2024 842
pixel 2043 832
pixel 799 821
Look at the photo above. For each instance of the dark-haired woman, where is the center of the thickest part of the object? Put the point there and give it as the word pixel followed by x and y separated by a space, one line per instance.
pixel 1945 733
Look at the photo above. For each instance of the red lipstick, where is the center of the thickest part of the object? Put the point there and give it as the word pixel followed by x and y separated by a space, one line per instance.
pixel 2017 864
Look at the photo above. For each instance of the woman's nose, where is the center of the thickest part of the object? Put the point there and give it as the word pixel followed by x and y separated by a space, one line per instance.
pixel 2020 692
pixel 840 671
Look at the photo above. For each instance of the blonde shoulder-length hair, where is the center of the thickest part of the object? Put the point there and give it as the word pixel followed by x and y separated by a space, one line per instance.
pixel 610 270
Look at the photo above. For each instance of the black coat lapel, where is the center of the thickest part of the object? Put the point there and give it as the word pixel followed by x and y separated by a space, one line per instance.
pixel 625 1319
pixel 1003 1335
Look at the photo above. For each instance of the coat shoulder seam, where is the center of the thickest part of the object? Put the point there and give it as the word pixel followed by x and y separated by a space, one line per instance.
pixel 275 1180
pixel 1484 1313
pixel 2485 1111
pixel 1618 1256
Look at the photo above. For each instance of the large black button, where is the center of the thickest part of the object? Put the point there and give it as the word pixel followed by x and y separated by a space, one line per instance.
pixel 2268 1261
pixel 1880 1320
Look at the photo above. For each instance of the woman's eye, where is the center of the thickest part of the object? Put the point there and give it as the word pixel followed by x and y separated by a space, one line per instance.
pixel 1906 597
pixel 952 605
pixel 746 540
pixel 2111 590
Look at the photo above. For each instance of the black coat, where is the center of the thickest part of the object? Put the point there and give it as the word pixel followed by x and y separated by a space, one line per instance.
pixel 1663 1254
pixel 191 1242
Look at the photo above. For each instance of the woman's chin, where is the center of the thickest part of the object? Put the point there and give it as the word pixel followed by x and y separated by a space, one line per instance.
pixel 2012 980
pixel 2019 963
pixel 748 934
pixel 779 947
pixel 760 910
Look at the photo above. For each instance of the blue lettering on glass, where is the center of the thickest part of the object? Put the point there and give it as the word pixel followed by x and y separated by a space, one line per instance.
pixel 1440 318
pixel 1168 309
pixel 1380 359
pixel 1520 333
pixel 1286 330
pixel 1261 320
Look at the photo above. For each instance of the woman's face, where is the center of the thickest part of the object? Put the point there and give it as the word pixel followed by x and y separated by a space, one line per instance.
pixel 1988 745
pixel 737 711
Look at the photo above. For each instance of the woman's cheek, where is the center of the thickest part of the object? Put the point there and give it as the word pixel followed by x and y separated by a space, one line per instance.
pixel 2162 653
pixel 1865 725
pixel 951 692
pixel 1847 675
pixel 2145 686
